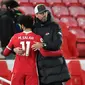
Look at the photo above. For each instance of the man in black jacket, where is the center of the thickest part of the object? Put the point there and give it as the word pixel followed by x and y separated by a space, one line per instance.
pixel 8 20
pixel 51 70
pixel 7 25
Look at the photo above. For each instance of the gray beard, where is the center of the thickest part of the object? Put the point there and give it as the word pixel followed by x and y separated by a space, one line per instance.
pixel 44 20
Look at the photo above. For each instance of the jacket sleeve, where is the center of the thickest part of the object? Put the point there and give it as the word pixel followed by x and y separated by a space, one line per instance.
pixel 54 40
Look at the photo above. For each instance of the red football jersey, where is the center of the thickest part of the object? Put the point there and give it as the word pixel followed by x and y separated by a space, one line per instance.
pixel 24 40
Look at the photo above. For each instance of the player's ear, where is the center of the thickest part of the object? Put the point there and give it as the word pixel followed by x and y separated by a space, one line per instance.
pixel 22 26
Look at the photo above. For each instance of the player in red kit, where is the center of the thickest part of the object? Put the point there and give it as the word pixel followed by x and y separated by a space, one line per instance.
pixel 24 70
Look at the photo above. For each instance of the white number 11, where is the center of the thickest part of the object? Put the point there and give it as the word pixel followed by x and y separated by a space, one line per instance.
pixel 26 48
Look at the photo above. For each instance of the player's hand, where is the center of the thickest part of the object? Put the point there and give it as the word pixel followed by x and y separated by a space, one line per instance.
pixel 18 51
pixel 37 46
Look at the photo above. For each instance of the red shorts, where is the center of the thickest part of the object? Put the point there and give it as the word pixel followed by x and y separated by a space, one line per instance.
pixel 24 79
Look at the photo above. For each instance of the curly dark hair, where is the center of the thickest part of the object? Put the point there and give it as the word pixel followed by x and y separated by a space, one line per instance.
pixel 26 20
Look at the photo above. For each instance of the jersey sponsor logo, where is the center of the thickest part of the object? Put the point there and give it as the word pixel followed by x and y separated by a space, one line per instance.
pixel 47 33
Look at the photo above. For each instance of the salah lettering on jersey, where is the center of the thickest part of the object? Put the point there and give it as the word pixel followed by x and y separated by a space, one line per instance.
pixel 25 37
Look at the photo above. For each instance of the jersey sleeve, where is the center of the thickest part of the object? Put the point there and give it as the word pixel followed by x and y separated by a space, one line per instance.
pixel 46 53
pixel 39 39
pixel 9 47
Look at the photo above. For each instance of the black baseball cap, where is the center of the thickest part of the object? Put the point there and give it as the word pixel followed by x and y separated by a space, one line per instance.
pixel 11 3
pixel 40 8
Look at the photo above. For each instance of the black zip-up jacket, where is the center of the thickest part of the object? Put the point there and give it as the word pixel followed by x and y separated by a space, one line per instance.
pixel 50 32
pixel 50 69
pixel 8 20
pixel 7 28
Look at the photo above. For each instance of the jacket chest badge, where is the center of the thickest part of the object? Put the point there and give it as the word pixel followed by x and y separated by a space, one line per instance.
pixel 47 33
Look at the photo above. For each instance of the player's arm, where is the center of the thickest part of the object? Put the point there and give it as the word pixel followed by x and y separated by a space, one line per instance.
pixel 8 48
pixel 50 53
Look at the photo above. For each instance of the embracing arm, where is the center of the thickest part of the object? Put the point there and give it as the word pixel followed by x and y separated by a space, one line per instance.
pixel 6 51
pixel 50 53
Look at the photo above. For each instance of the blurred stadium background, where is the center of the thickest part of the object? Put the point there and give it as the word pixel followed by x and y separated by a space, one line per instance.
pixel 70 14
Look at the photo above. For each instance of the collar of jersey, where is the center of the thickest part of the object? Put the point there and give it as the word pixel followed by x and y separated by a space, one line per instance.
pixel 27 32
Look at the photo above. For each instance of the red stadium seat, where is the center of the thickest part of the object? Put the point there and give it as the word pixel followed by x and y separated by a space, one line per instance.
pixel 69 46
pixel 22 1
pixel 81 49
pixel 81 22
pixel 0 0
pixel 26 4
pixel 82 2
pixel 59 10
pixel 4 72
pixel 75 71
pixel 27 10
pixel 83 76
pixel 80 34
pixel 69 43
pixel 53 2
pixel 69 21
pixel 70 2
pixel 77 11
pixel 3 68
pixel 34 2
